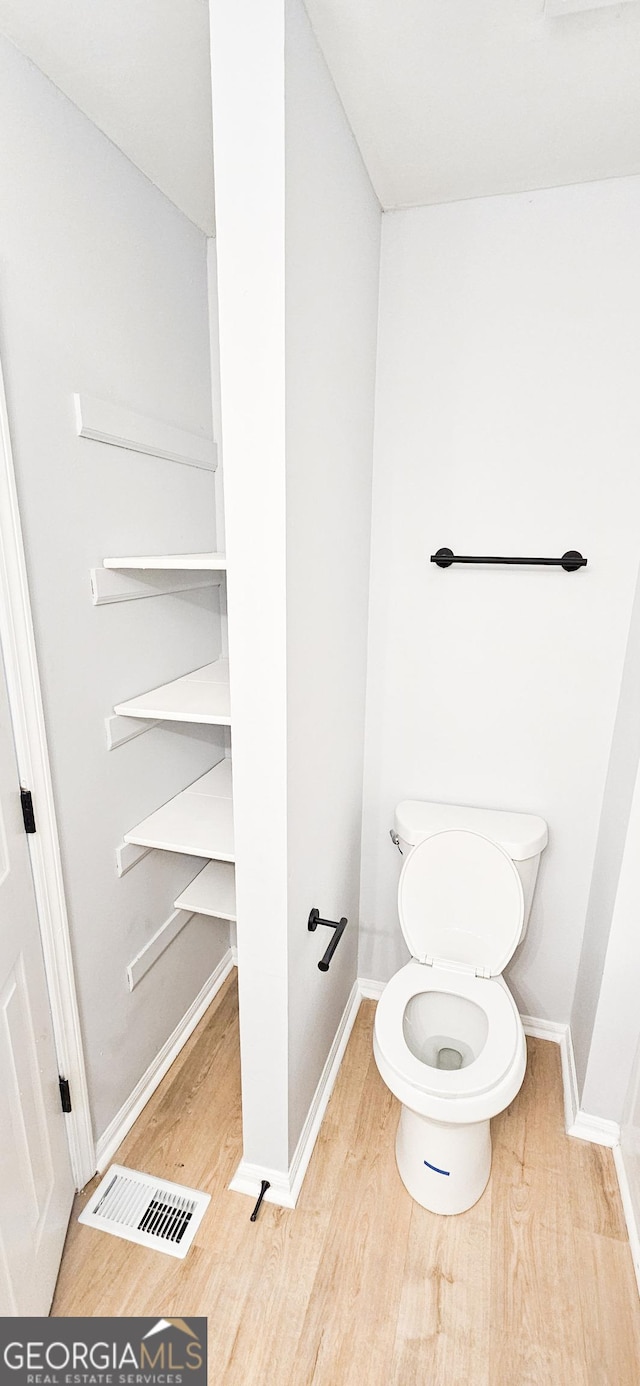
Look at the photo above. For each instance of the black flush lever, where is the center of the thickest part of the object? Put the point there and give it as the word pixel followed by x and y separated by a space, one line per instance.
pixel 338 925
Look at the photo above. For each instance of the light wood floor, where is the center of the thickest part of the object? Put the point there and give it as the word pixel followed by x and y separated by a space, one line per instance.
pixel 359 1285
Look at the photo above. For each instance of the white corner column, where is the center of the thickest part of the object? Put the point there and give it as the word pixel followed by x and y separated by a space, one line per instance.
pixel 247 46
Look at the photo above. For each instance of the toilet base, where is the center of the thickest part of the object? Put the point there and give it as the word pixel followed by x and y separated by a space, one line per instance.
pixel 445 1167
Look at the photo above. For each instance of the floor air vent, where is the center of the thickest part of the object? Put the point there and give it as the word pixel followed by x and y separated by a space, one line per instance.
pixel 152 1212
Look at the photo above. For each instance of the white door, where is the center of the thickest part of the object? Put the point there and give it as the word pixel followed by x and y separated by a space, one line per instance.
pixel 36 1185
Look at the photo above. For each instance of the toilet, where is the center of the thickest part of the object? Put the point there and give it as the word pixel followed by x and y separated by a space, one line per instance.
pixel 448 1039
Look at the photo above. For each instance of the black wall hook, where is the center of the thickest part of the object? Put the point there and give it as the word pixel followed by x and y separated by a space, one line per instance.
pixel 570 561
pixel 339 926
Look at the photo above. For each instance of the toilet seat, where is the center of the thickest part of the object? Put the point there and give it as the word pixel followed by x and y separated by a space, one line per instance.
pixel 502 1046
pixel 461 908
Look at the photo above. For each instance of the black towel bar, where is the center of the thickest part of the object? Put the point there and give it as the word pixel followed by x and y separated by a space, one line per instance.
pixel 570 561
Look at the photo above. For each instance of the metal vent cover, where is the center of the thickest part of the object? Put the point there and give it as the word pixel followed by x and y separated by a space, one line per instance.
pixel 141 1208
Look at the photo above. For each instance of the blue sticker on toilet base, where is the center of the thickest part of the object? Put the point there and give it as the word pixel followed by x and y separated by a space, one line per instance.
pixel 436 1170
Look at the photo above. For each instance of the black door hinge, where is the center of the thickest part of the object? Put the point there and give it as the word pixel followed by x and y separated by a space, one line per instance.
pixel 65 1094
pixel 27 811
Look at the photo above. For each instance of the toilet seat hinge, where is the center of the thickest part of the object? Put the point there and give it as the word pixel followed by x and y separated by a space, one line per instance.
pixel 451 966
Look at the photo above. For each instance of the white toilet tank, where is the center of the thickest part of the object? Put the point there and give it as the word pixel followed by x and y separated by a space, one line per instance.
pixel 523 836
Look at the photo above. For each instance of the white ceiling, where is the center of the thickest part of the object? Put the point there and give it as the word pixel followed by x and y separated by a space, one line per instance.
pixel 140 70
pixel 447 98
pixel 453 99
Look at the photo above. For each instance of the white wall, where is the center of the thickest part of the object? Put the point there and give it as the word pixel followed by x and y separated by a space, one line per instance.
pixel 216 402
pixel 507 422
pixel 610 851
pixel 103 290
pixel 605 1018
pixel 332 262
pixel 615 1034
pixel 141 74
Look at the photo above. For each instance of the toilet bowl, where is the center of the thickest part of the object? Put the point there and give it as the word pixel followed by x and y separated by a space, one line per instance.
pixel 448 1039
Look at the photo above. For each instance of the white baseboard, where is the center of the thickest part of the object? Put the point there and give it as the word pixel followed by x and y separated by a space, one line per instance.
pixel 580 1124
pixel 370 990
pixel 123 1121
pixel 629 1209
pixel 285 1186
pixel 560 1034
pixel 247 1180
pixel 598 1130
pixel 309 1133
pixel 552 1030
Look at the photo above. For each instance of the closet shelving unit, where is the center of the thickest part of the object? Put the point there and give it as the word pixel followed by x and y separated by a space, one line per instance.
pixel 198 821
pixel 202 696
pixel 212 892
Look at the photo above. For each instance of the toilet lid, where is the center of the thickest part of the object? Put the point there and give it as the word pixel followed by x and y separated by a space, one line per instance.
pixel 460 900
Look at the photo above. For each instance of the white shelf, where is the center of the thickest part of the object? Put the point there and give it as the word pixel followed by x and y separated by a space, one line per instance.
pixel 210 562
pixel 202 696
pixel 198 822
pixel 212 892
